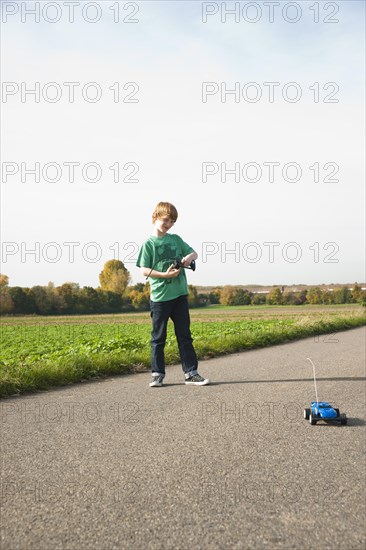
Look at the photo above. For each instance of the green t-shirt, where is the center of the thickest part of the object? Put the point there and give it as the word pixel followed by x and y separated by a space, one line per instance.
pixel 159 253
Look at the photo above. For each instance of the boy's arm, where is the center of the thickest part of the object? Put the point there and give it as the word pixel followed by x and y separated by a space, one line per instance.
pixel 168 274
pixel 146 257
pixel 187 260
pixel 190 254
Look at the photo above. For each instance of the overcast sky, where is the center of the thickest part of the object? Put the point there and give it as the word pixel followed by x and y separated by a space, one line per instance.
pixel 268 180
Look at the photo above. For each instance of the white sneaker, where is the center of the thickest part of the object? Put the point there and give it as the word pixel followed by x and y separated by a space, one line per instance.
pixel 157 381
pixel 197 380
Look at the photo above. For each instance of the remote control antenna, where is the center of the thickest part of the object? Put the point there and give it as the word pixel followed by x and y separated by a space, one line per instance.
pixel 316 392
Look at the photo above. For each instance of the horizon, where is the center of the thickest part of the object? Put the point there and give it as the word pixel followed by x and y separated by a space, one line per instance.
pixel 245 285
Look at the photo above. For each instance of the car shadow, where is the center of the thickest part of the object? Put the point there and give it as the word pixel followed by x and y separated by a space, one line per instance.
pixel 351 423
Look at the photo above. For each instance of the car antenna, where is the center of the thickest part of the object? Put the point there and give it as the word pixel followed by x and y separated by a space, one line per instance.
pixel 316 392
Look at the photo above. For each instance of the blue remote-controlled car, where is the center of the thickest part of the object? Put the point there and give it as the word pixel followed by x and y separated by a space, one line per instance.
pixel 323 411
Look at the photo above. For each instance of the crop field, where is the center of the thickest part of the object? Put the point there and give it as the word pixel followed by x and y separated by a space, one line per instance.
pixel 41 352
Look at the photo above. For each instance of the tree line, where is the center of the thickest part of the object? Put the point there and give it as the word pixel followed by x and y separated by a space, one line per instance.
pixel 116 295
pixel 232 296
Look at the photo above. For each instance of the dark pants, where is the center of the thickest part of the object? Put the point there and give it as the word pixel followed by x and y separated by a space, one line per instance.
pixel 177 310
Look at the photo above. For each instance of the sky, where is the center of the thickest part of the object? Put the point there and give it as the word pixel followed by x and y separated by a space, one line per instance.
pixel 251 123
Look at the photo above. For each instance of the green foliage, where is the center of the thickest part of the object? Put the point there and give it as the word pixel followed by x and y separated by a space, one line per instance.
pixel 214 296
pixel 38 356
pixel 22 302
pixel 6 303
pixel 70 299
pixel 4 280
pixel 114 277
pixel 193 300
pixel 358 294
pixel 342 296
pixel 235 296
pixel 314 295
pixel 140 297
pixel 258 299
pixel 274 297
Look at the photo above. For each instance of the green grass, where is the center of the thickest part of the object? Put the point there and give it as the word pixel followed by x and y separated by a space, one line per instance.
pixel 41 352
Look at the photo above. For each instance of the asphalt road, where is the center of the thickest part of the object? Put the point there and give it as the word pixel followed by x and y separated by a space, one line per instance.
pixel 115 464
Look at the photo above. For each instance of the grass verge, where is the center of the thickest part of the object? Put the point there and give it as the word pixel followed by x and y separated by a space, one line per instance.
pixel 33 367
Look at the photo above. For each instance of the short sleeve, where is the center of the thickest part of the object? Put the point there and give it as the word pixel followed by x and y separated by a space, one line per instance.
pixel 145 257
pixel 186 249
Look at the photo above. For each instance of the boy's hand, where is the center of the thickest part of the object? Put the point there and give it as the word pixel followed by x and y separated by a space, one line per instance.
pixel 186 261
pixel 171 272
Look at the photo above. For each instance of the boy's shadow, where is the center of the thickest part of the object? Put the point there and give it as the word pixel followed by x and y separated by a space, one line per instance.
pixel 331 379
pixel 278 381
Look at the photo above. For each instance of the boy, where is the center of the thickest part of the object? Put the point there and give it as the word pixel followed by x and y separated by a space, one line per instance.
pixel 168 294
